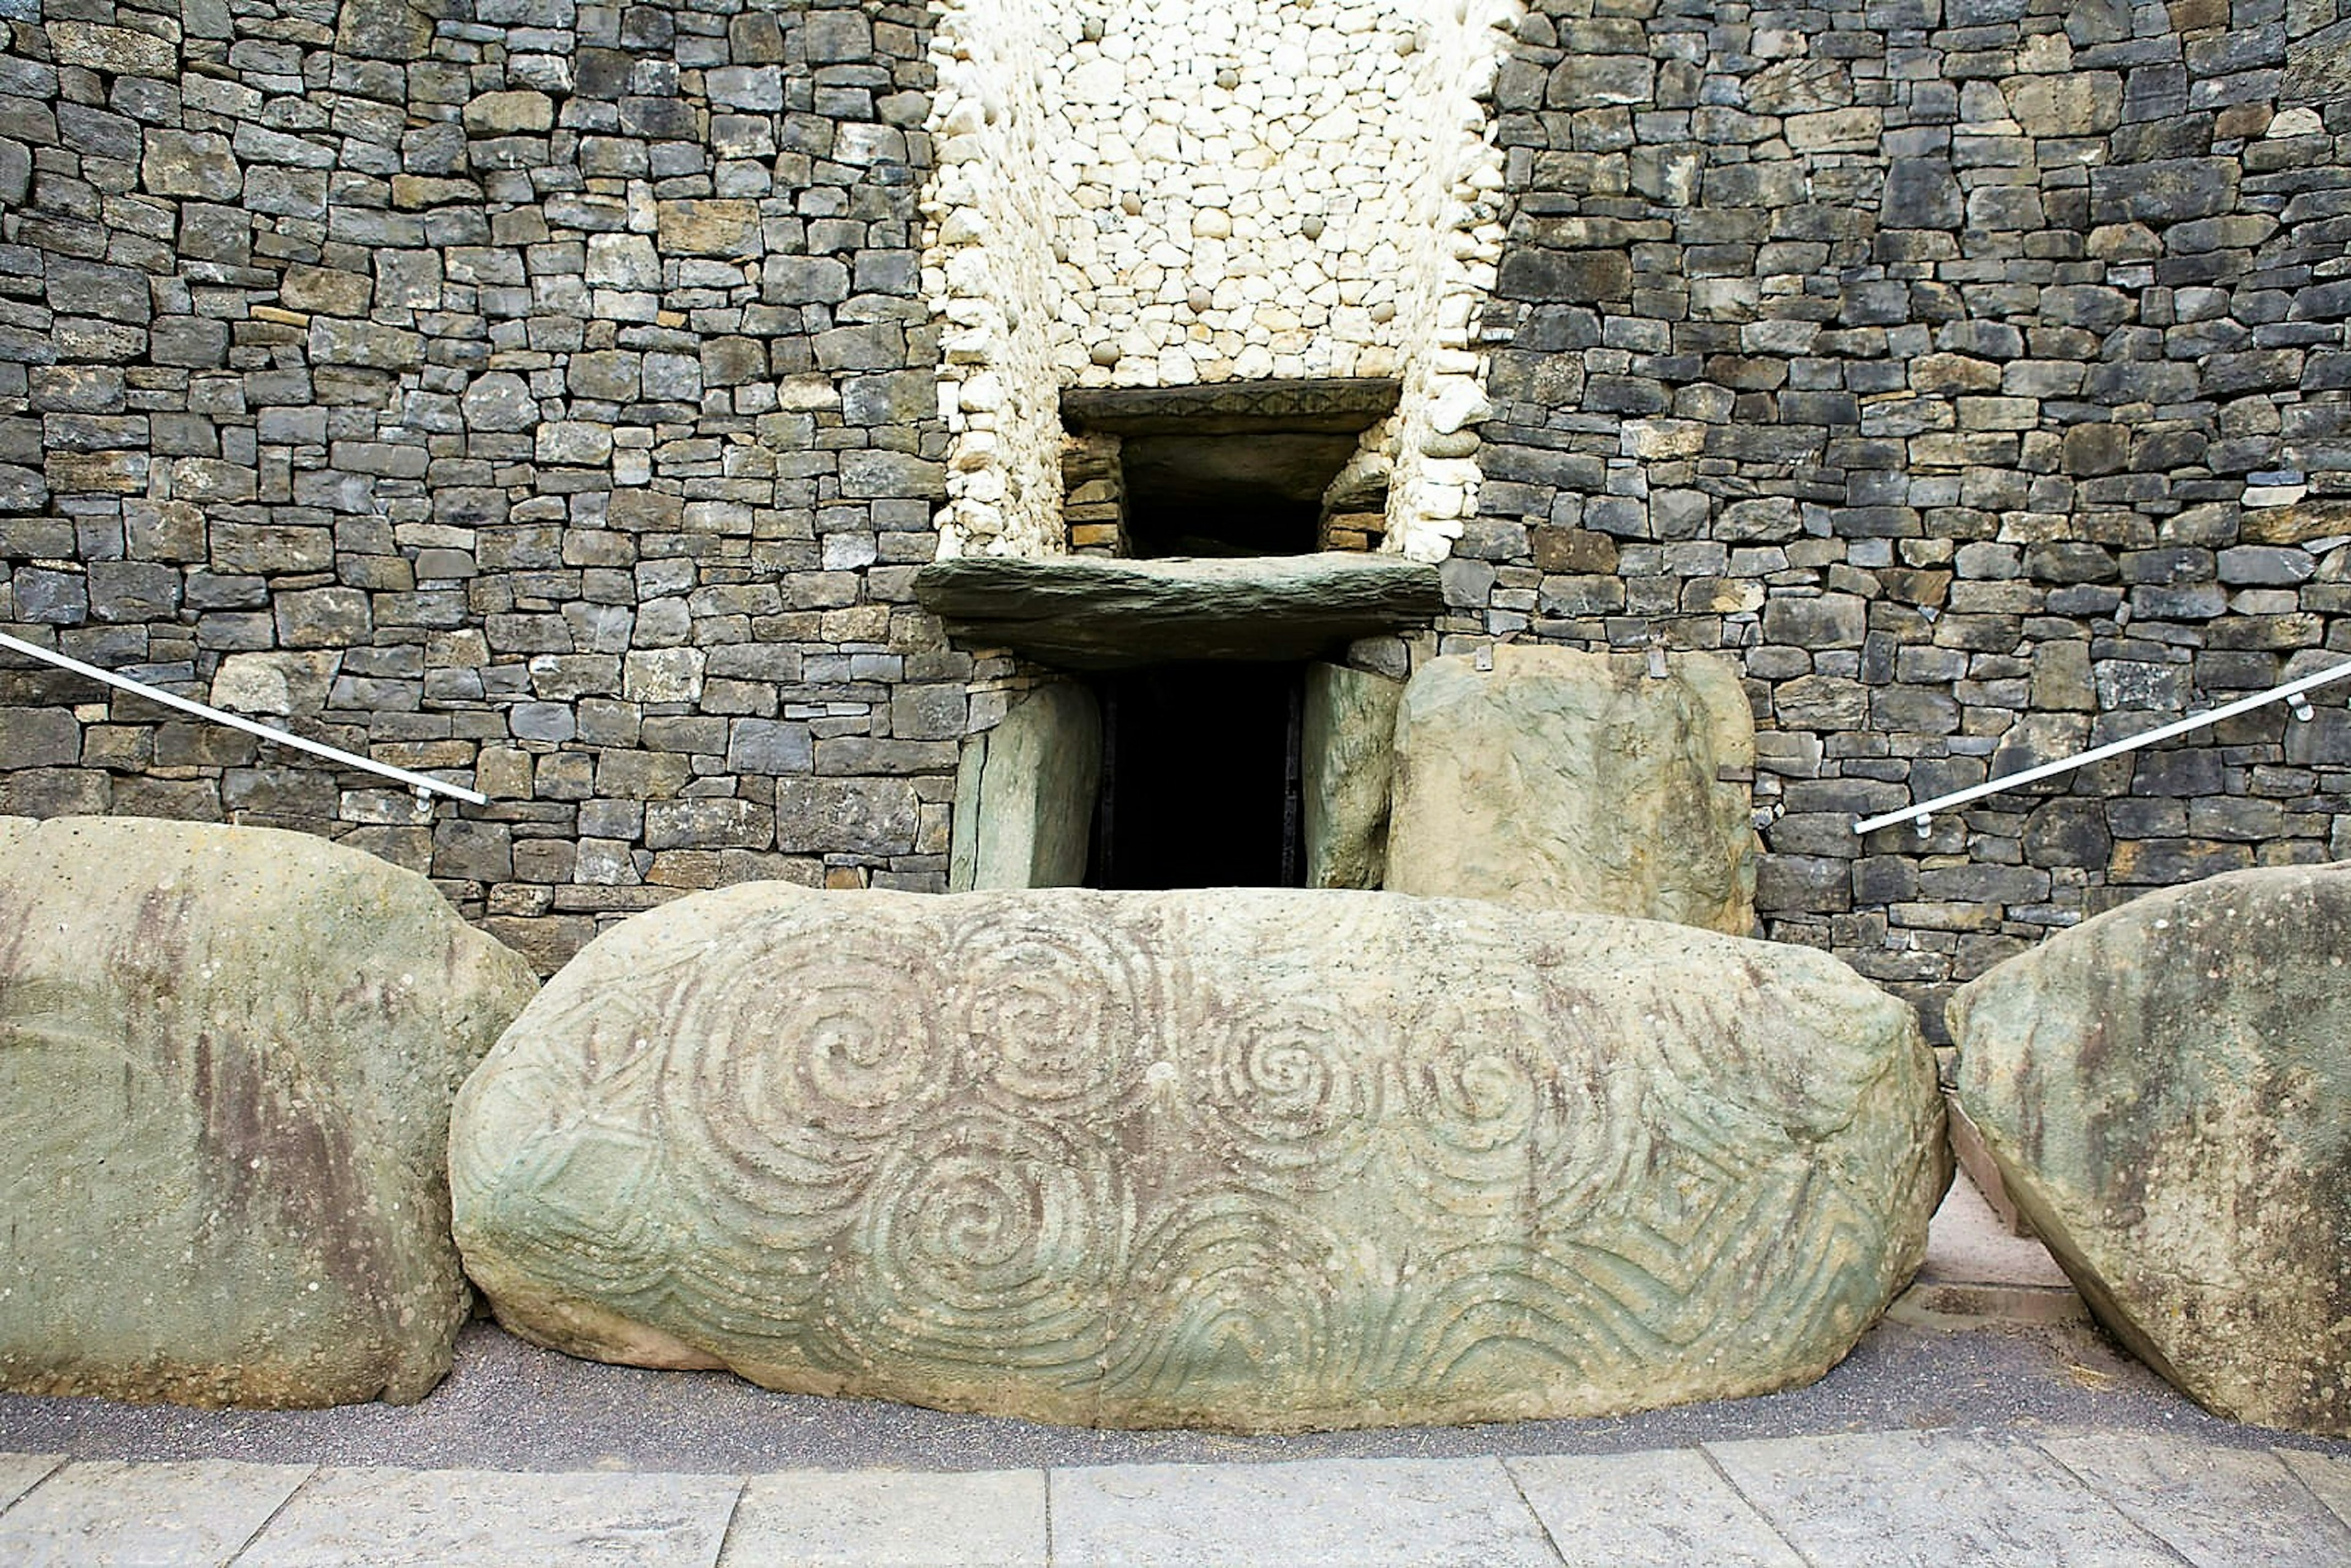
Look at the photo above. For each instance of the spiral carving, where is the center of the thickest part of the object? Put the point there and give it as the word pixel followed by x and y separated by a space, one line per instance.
pixel 1249 1158
pixel 783 1082
pixel 1290 1083
pixel 985 1240
pixel 1052 1012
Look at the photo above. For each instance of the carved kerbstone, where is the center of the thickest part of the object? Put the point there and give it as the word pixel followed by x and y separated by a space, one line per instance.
pixel 1254 1159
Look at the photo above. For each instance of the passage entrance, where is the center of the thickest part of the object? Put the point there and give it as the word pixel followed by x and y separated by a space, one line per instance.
pixel 1200 777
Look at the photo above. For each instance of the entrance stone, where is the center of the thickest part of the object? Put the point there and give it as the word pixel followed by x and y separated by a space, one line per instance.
pixel 1259 1159
pixel 226 1060
pixel 2166 1091
pixel 1347 753
pixel 1561 780
pixel 1025 794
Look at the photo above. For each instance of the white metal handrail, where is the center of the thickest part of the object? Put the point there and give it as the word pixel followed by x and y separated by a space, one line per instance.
pixel 2290 693
pixel 422 784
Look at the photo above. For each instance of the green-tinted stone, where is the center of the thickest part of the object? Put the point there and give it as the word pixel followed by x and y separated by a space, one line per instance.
pixel 227 1058
pixel 1244 1158
pixel 2167 1095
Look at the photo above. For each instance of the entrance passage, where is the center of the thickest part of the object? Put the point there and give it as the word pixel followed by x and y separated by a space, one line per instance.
pixel 1200 777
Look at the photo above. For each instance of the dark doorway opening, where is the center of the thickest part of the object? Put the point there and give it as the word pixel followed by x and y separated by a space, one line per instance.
pixel 1229 495
pixel 1200 777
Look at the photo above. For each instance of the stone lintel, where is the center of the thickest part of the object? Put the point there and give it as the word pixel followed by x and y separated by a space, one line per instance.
pixel 1242 408
pixel 1086 613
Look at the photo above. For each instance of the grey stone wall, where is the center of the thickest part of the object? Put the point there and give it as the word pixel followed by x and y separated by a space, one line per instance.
pixel 531 391
pixel 1975 371
pixel 542 393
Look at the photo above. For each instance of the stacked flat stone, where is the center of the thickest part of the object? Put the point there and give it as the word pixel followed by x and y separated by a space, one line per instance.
pixel 541 399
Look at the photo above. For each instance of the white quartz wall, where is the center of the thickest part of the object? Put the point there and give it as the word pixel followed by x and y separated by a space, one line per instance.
pixel 988 267
pixel 1177 192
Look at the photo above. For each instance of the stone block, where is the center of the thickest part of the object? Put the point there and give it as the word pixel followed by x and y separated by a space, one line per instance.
pixel 1025 794
pixel 1566 780
pixel 846 815
pixel 709 822
pixel 512 113
pixel 39 738
pixel 232 1053
pixel 707 227
pixel 1347 756
pixel 191 163
pixel 1179 1159
pixel 2164 1091
pixel 766 745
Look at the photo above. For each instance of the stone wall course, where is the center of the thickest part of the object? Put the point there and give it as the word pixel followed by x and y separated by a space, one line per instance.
pixel 480 373
pixel 548 394
pixel 1997 344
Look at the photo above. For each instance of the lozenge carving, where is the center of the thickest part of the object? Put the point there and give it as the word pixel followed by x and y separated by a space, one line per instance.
pixel 1258 1159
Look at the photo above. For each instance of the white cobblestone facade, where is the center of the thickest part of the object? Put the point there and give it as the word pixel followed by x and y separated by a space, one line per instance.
pixel 1186 192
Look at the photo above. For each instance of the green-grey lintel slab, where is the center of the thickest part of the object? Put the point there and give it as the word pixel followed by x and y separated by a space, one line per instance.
pixel 1337 405
pixel 1089 613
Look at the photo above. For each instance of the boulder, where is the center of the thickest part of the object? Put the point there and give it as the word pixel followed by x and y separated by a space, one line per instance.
pixel 1257 1159
pixel 1024 805
pixel 1559 780
pixel 226 1059
pixel 2166 1091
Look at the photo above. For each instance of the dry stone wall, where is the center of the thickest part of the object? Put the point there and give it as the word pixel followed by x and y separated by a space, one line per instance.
pixel 533 392
pixel 549 395
pixel 1974 371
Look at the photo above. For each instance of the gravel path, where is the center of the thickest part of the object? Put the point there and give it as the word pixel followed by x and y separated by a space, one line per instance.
pixel 509 1406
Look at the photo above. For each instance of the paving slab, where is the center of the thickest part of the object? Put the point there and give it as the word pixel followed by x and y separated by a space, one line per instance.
pixel 20 1473
pixel 1647 1511
pixel 391 1518
pixel 1892 1500
pixel 1359 1512
pixel 2216 1506
pixel 193 1513
pixel 2329 1476
pixel 890 1518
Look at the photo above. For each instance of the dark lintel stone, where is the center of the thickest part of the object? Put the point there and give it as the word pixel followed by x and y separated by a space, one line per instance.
pixel 1095 614
pixel 1232 409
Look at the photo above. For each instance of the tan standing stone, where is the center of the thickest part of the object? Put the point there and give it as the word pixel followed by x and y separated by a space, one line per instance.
pixel 1569 780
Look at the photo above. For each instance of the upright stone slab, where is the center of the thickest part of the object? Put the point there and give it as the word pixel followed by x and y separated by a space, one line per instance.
pixel 1347 751
pixel 1258 1159
pixel 1559 780
pixel 2167 1092
pixel 1025 794
pixel 226 1060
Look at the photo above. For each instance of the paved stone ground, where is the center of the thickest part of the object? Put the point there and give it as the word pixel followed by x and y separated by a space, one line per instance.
pixel 1876 1499
pixel 1987 1422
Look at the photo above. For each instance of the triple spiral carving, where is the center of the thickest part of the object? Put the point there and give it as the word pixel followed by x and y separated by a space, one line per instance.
pixel 1101 1159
